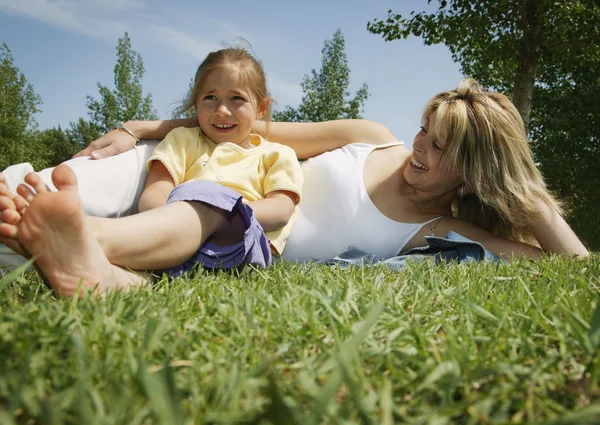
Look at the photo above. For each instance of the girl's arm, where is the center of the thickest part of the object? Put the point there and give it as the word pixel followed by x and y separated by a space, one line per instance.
pixel 312 139
pixel 117 141
pixel 554 234
pixel 159 185
pixel 275 210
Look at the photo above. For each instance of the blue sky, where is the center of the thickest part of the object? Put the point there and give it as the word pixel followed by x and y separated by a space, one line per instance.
pixel 65 47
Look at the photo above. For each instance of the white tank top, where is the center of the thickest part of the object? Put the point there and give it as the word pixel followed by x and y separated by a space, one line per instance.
pixel 336 211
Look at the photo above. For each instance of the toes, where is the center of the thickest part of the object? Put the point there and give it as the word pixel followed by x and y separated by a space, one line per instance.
pixel 26 193
pixel 4 190
pixel 64 178
pixel 20 203
pixel 10 217
pixel 7 203
pixel 35 181
pixel 8 231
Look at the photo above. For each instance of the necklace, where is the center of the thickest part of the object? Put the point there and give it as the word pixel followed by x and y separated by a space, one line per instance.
pixel 431 227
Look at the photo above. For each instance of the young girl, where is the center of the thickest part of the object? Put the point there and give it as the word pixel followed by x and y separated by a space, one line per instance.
pixel 222 162
pixel 237 184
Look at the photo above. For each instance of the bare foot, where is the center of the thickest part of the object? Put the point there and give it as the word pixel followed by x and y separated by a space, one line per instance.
pixel 53 229
pixel 11 207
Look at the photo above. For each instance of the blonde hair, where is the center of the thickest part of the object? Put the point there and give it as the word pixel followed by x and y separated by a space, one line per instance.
pixel 485 140
pixel 239 59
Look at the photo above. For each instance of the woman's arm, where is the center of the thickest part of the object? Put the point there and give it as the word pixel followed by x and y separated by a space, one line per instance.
pixel 554 234
pixel 307 139
pixel 117 141
pixel 503 248
pixel 551 231
pixel 312 139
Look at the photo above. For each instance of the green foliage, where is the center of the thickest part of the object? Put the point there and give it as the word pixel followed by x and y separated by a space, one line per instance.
pixel 482 36
pixel 545 54
pixel 565 132
pixel 59 146
pixel 18 104
pixel 83 132
pixel 126 101
pixel 20 141
pixel 481 343
pixel 326 91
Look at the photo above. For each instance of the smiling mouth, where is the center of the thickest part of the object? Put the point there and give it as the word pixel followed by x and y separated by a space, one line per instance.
pixel 224 126
pixel 416 164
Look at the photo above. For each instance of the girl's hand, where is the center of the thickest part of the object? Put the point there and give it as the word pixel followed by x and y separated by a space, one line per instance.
pixel 112 143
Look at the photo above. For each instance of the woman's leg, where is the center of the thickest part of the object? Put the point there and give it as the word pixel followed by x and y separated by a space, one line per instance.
pixel 107 188
pixel 53 230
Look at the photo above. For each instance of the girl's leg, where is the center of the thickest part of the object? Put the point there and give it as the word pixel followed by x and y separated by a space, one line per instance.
pixel 165 237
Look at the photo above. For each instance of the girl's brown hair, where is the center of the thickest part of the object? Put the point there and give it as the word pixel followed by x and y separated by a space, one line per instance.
pixel 252 72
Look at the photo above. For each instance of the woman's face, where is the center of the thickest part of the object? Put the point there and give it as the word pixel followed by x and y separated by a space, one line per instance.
pixel 427 171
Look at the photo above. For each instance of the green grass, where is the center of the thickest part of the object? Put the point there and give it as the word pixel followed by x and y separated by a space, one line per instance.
pixel 484 343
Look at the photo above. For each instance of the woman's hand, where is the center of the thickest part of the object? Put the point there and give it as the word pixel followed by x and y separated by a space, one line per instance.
pixel 118 141
pixel 112 143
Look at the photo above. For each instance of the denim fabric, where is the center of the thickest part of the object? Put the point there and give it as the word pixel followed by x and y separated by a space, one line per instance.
pixel 452 247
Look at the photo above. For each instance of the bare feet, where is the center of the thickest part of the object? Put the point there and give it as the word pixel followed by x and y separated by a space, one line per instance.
pixel 11 209
pixel 53 229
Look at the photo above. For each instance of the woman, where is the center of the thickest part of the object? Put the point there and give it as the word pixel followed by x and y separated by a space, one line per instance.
pixel 471 171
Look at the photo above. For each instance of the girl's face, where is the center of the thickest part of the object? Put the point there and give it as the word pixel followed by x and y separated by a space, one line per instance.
pixel 226 109
pixel 427 171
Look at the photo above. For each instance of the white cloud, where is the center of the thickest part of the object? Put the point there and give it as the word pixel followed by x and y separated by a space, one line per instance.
pixel 49 12
pixel 105 19
pixel 178 40
pixel 109 19
pixel 98 19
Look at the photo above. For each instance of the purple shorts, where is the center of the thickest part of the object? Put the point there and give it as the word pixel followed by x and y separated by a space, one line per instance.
pixel 252 249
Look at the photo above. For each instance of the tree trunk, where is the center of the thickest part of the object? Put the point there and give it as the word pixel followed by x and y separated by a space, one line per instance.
pixel 528 55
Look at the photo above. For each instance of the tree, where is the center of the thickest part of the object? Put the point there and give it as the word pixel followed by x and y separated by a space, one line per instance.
pixel 83 132
pixel 544 53
pixel 60 146
pixel 326 91
pixel 126 101
pixel 510 45
pixel 18 104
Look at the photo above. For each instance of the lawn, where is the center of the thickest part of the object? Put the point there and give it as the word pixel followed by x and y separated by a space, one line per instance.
pixel 481 343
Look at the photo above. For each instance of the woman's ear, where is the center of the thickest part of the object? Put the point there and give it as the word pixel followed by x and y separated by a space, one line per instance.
pixel 263 108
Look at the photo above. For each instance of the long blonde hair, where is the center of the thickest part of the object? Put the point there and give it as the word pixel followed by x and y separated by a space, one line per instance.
pixel 485 140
